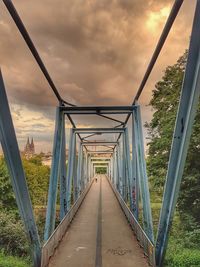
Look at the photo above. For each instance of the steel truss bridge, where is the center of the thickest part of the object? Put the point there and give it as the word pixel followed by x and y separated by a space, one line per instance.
pixel 93 230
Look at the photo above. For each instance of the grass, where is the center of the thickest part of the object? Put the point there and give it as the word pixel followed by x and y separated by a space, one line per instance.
pixel 11 261
pixel 183 258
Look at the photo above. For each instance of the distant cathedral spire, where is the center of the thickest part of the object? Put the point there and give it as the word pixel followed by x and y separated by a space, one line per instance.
pixel 29 149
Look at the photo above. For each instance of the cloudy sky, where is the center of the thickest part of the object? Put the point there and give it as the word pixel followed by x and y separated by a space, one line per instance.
pixel 95 50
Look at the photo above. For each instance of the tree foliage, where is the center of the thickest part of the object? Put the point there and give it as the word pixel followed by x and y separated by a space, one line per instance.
pixel 7 200
pixel 37 177
pixel 165 101
pixel 13 239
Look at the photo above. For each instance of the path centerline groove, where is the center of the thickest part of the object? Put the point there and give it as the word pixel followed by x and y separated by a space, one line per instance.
pixel 98 261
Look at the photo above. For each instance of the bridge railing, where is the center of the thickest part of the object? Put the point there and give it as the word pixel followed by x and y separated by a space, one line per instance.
pixel 54 240
pixel 145 243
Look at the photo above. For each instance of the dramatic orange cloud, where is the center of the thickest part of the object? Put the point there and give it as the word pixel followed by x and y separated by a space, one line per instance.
pixel 96 53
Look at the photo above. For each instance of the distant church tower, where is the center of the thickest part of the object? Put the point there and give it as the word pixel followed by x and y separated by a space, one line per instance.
pixel 29 149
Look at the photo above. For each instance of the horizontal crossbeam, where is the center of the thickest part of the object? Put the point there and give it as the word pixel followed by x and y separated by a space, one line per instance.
pixel 98 143
pixel 98 158
pixel 100 162
pixel 98 130
pixel 97 109
pixel 99 152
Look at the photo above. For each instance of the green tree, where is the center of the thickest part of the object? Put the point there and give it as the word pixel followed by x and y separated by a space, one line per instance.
pixel 7 199
pixel 37 176
pixel 165 101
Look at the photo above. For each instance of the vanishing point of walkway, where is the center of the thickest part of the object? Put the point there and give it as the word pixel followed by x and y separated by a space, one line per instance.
pixel 99 235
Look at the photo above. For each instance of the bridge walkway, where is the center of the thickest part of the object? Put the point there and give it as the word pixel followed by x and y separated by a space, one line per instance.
pixel 99 234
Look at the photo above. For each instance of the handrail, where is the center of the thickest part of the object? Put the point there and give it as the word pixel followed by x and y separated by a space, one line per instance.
pixel 144 241
pixel 52 243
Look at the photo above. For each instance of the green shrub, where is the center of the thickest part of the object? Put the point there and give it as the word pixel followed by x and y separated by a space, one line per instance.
pixel 12 236
pixel 184 258
pixel 10 261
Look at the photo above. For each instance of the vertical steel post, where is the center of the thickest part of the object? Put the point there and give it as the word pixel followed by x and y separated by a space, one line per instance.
pixel 14 163
pixel 63 171
pixel 85 168
pixel 129 169
pixel 75 181
pixel 111 169
pixel 125 159
pixel 79 169
pixel 182 133
pixel 144 187
pixel 114 170
pixel 55 171
pixel 70 168
pixel 82 171
pixel 119 163
pixel 88 167
pixel 135 185
pixel 123 171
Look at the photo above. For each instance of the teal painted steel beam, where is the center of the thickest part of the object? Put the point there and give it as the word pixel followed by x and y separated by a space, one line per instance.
pixel 135 185
pixel 100 152
pixel 98 129
pixel 98 158
pixel 114 169
pixel 70 169
pixel 98 143
pixel 109 131
pixel 185 117
pixel 55 172
pixel 142 172
pixel 79 167
pixel 129 169
pixel 98 165
pixel 97 108
pixel 82 171
pixel 102 162
pixel 14 163
pixel 88 168
pixel 117 168
pixel 75 181
pixel 119 164
pixel 125 187
pixel 63 171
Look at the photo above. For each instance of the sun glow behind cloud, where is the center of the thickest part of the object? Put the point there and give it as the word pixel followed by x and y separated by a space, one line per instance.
pixel 156 18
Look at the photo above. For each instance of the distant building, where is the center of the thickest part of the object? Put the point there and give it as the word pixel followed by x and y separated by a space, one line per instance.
pixel 29 150
pixel 47 158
